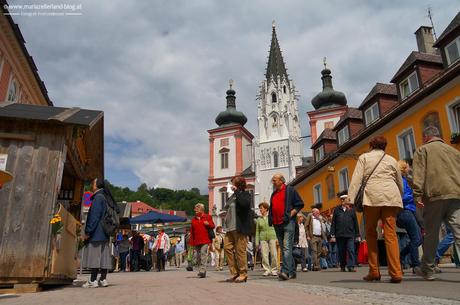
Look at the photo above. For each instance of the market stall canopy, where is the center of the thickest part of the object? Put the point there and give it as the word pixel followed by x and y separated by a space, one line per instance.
pixel 155 217
pixel 84 129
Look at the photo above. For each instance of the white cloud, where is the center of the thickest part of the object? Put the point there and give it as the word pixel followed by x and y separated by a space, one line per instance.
pixel 159 69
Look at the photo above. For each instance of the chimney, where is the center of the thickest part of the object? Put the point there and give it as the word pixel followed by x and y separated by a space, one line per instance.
pixel 425 40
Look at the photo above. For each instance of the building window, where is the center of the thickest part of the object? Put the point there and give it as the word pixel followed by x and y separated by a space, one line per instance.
pixel 372 114
pixel 224 142
pixel 453 51
pixel 13 91
pixel 273 98
pixel 330 187
pixel 223 200
pixel 343 180
pixel 318 198
pixel 319 153
pixel 408 85
pixel 453 111
pixel 275 159
pixel 343 135
pixel 284 89
pixel 329 125
pixel 224 160
pixel 406 144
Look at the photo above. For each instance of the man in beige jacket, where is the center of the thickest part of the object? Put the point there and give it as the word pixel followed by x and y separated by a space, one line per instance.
pixel 436 171
pixel 315 235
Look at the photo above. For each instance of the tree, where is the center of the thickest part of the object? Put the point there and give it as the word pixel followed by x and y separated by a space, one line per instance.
pixel 181 200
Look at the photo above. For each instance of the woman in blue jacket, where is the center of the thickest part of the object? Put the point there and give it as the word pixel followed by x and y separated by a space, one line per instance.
pixel 406 219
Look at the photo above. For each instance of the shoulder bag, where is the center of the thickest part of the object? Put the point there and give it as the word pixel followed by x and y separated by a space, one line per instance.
pixel 358 202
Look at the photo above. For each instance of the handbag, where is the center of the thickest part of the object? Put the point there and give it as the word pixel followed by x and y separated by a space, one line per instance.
pixel 211 234
pixel 360 194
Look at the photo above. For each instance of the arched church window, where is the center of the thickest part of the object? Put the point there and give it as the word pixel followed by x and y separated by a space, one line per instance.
pixel 284 89
pixel 273 98
pixel 275 159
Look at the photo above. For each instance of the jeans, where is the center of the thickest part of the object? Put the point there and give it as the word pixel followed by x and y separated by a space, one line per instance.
pixel 123 256
pixel 135 256
pixel 161 260
pixel 332 257
pixel 403 241
pixel 445 243
pixel 285 235
pixel 406 220
pixel 346 249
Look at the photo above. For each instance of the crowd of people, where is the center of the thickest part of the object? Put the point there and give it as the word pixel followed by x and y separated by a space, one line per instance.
pixel 404 206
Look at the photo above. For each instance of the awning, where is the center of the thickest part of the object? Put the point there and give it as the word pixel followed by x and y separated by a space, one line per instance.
pixel 155 217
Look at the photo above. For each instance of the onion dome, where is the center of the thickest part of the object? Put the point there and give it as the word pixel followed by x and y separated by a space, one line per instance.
pixel 231 116
pixel 328 98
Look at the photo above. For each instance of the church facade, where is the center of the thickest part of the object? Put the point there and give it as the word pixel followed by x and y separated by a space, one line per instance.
pixel 278 146
pixel 230 151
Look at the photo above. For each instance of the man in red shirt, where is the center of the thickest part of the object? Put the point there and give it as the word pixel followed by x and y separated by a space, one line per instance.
pixel 199 237
pixel 285 203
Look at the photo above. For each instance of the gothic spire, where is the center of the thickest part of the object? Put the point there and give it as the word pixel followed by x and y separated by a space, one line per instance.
pixel 275 65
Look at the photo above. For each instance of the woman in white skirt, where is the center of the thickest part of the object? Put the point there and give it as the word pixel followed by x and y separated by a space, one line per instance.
pixel 98 256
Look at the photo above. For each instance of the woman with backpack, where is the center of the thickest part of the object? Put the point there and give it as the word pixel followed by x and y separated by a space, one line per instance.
pixel 98 255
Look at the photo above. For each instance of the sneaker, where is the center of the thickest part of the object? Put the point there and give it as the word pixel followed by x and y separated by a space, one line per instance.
pixel 427 276
pixel 266 273
pixel 90 284
pixel 104 283
pixel 437 269
pixel 274 273
pixel 283 276
pixel 304 270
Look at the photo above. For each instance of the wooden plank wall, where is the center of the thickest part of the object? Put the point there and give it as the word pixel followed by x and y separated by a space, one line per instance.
pixel 27 202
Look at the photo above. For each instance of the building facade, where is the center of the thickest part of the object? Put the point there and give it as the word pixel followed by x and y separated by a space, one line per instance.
pixel 278 147
pixel 425 91
pixel 19 79
pixel 230 154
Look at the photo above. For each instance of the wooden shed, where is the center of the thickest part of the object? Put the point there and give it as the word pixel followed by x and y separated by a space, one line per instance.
pixel 51 152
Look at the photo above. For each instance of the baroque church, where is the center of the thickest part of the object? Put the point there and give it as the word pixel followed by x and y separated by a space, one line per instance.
pixel 278 146
pixel 276 149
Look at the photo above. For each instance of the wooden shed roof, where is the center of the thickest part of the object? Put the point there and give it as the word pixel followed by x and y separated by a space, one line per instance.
pixel 86 142
pixel 70 116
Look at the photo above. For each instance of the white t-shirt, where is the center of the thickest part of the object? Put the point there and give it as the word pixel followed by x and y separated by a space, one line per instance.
pixel 316 226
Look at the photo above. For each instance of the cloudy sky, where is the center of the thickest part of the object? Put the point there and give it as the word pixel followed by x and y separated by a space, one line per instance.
pixel 159 69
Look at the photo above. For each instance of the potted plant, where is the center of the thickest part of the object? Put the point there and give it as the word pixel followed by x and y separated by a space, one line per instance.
pixel 455 138
pixel 56 229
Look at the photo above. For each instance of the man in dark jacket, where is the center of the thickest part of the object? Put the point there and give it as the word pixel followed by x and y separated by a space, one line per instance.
pixel 345 229
pixel 285 203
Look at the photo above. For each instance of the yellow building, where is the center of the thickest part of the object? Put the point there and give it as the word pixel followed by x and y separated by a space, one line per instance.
pixel 425 91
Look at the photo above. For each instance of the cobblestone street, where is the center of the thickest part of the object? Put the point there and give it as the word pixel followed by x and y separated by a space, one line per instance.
pixel 181 287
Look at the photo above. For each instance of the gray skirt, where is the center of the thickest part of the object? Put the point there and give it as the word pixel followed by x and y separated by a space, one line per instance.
pixel 97 254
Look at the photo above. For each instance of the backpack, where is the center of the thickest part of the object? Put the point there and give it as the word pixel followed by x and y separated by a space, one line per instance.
pixel 110 221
